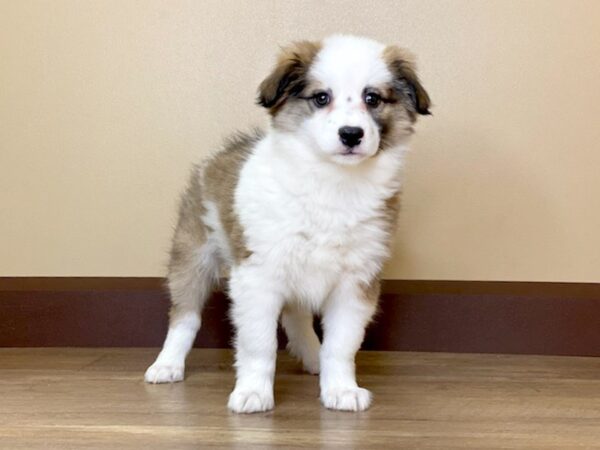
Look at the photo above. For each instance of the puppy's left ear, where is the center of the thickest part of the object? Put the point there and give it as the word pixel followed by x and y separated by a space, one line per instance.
pixel 406 82
pixel 288 77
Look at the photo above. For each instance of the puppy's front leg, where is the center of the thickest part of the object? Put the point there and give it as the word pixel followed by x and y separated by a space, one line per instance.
pixel 255 313
pixel 345 316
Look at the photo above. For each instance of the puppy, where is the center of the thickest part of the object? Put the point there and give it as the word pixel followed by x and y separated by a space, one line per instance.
pixel 301 216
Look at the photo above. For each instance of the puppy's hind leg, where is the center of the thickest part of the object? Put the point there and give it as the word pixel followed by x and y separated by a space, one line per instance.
pixel 193 273
pixel 303 342
pixel 192 276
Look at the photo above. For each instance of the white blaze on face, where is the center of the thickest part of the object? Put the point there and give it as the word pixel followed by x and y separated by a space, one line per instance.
pixel 344 67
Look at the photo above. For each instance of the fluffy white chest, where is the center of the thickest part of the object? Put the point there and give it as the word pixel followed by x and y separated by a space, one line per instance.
pixel 306 233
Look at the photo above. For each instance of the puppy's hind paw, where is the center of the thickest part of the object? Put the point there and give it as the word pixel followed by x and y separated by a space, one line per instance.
pixel 311 366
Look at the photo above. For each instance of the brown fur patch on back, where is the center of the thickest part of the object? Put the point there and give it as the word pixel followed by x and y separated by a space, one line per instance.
pixel 220 178
pixel 288 78
pixel 190 232
pixel 184 280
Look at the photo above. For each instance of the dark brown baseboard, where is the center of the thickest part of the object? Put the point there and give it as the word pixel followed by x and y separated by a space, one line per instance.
pixel 450 316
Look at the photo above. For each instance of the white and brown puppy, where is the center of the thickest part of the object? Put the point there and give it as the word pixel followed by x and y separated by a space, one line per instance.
pixel 301 216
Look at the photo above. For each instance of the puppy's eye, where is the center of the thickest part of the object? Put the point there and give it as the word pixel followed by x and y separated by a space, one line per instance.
pixel 321 99
pixel 372 99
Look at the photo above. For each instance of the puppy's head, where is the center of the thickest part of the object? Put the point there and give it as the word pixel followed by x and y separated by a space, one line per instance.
pixel 348 97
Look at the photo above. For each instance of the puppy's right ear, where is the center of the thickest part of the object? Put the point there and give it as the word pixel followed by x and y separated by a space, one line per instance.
pixel 288 78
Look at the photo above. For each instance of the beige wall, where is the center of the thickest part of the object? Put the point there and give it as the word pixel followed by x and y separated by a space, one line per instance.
pixel 104 105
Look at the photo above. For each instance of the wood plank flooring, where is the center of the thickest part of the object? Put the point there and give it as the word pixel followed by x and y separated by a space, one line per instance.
pixel 57 398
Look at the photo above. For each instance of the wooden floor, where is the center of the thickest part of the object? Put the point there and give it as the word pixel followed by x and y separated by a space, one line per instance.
pixel 95 398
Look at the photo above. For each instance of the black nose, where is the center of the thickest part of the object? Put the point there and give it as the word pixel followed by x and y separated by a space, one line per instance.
pixel 351 136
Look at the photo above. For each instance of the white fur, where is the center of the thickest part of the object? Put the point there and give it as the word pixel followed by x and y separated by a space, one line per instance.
pixel 170 364
pixel 313 223
pixel 345 66
pixel 345 317
pixel 308 223
pixel 315 237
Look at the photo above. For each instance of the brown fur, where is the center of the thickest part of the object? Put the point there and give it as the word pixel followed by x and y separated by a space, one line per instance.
pixel 401 64
pixel 404 98
pixel 293 112
pixel 190 278
pixel 288 78
pixel 184 285
pixel 390 211
pixel 395 122
pixel 221 175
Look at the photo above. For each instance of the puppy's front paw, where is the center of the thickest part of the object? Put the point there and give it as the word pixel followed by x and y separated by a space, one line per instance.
pixel 346 399
pixel 164 373
pixel 249 401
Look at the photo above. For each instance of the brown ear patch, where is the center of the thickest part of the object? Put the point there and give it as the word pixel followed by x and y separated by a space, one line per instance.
pixel 406 82
pixel 288 78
